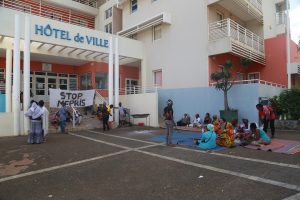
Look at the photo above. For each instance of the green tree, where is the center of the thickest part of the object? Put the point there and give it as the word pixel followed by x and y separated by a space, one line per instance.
pixel 222 79
pixel 245 62
pixel 289 101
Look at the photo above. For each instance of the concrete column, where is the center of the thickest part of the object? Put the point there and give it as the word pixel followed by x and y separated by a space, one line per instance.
pixel 26 73
pixel 143 72
pixel 16 79
pixel 111 72
pixel 8 73
pixel 117 76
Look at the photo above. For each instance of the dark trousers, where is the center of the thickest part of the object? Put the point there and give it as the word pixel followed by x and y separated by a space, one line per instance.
pixel 105 123
pixel 272 126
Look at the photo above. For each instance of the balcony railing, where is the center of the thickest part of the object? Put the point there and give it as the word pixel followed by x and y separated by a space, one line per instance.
pixel 281 17
pixel 91 3
pixel 49 11
pixel 243 42
pixel 253 81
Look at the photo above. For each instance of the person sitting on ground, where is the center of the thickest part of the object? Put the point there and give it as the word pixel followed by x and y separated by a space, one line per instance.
pixel 208 139
pixel 217 127
pixel 226 138
pixel 197 122
pixel 260 136
pixel 185 120
pixel 207 119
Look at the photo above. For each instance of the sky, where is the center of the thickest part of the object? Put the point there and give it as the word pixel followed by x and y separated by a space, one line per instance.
pixel 295 20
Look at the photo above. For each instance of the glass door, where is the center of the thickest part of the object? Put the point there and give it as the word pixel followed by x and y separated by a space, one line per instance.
pixel 131 86
pixel 40 88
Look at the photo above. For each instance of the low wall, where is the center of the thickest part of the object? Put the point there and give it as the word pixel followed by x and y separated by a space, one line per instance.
pixel 142 104
pixel 2 102
pixel 287 124
pixel 6 124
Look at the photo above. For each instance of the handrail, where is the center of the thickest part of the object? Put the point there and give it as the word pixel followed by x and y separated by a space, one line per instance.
pixel 229 28
pixel 251 81
pixel 137 89
pixel 51 12
pixel 257 4
pixel 100 97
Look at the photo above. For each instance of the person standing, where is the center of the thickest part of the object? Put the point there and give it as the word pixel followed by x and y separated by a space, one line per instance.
pixel 169 121
pixel 35 115
pixel 266 116
pixel 45 119
pixel 62 112
pixel 105 116
pixel 111 116
pixel 122 115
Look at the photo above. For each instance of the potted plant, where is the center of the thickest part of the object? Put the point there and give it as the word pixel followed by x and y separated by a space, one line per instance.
pixel 222 79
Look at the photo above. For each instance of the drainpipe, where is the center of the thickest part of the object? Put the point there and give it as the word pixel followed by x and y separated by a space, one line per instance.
pixel 288 44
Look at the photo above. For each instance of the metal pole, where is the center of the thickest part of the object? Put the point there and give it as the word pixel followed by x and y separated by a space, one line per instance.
pixel 117 76
pixel 288 44
pixel 8 80
pixel 110 72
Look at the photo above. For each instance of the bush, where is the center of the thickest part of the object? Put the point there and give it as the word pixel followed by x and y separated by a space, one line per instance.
pixel 290 103
pixel 287 104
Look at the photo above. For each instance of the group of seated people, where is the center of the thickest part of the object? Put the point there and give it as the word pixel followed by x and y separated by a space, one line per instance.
pixel 225 134
pixel 197 122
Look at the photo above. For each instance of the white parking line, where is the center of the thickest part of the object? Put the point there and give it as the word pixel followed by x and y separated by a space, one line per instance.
pixel 61 166
pixel 241 175
pixel 126 138
pixel 294 197
pixel 212 153
pixel 232 173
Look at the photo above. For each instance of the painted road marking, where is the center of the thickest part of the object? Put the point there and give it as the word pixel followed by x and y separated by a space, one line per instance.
pixel 212 153
pixel 232 173
pixel 61 166
pixel 294 197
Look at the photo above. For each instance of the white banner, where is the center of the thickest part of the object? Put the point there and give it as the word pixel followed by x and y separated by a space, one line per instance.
pixel 75 99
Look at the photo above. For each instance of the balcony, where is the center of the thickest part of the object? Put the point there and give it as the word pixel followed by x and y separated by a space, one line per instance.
pixel 244 9
pixel 91 3
pixel 51 12
pixel 227 36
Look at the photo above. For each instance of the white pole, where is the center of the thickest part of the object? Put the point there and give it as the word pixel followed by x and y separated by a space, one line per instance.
pixel 288 44
pixel 110 72
pixel 8 80
pixel 26 73
pixel 117 76
pixel 16 79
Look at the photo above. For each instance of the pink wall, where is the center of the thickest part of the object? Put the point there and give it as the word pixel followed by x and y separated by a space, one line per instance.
pixel 92 67
pixel 276 60
pixel 215 61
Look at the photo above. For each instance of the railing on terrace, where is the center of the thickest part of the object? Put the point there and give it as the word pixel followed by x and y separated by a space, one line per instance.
pixel 138 90
pixel 239 82
pixel 257 4
pixel 91 3
pixel 281 17
pixel 229 28
pixel 49 11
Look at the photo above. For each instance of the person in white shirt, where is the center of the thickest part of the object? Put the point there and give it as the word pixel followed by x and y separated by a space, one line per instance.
pixel 196 122
pixel 45 119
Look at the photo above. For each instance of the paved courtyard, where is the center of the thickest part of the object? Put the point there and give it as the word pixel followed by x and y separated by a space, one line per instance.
pixel 125 164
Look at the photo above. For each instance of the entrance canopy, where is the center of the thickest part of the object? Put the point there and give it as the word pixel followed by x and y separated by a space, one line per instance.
pixel 54 38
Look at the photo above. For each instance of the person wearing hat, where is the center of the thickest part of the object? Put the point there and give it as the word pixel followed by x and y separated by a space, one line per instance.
pixel 169 121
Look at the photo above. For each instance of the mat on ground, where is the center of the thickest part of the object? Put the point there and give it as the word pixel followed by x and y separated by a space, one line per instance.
pixel 279 146
pixel 183 138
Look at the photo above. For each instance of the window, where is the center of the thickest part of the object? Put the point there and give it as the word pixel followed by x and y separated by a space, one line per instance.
pixel 108 13
pixel 157 32
pixel 108 28
pixel 134 6
pixel 52 15
pixel 86 81
pixel 101 80
pixel 2 83
pixel 254 76
pixel 157 78
pixel 131 86
pixel 239 76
